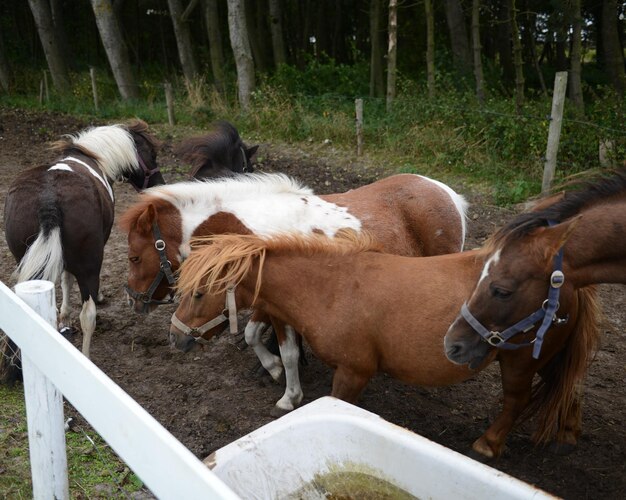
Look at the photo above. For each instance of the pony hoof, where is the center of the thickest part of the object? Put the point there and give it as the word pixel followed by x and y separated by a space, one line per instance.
pixel 479 457
pixel 68 332
pixel 278 412
pixel 561 449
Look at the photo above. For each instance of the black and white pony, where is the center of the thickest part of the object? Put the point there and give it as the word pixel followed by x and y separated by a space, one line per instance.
pixel 220 153
pixel 58 216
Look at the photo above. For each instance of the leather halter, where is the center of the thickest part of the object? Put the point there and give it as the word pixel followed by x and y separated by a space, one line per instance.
pixel 546 313
pixel 197 332
pixel 148 172
pixel 165 270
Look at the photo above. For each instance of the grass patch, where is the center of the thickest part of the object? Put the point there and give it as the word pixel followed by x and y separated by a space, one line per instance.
pixel 94 470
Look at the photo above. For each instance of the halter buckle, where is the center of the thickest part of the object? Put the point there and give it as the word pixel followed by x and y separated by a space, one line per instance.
pixel 557 278
pixel 159 245
pixel 544 306
pixel 494 339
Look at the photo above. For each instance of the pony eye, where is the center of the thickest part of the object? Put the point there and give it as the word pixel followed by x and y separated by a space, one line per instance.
pixel 134 260
pixel 198 295
pixel 500 293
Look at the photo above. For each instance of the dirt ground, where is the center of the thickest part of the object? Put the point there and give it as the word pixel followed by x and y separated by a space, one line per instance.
pixel 212 398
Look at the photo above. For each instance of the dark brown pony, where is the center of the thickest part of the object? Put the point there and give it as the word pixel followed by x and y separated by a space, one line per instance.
pixel 408 214
pixel 220 153
pixel 578 237
pixel 364 312
pixel 58 217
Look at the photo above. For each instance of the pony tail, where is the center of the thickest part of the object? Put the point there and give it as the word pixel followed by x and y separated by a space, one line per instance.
pixel 557 398
pixel 43 259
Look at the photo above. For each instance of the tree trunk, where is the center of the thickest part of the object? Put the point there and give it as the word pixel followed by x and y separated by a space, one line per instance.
pixel 115 48
pixel 478 65
pixel 532 49
pixel 51 46
pixel 392 52
pixel 216 49
pixel 504 42
pixel 278 41
pixel 377 84
pixel 183 41
pixel 613 54
pixel 430 47
pixel 59 25
pixel 517 59
pixel 5 71
pixel 458 36
pixel 241 50
pixel 254 36
pixel 575 85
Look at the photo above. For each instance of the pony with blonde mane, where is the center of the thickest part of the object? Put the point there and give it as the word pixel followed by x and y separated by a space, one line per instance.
pixel 364 312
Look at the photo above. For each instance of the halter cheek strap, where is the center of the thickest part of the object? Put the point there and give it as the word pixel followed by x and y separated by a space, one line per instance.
pixel 546 313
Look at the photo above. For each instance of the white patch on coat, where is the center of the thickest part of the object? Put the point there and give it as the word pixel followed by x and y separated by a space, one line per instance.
pixel 491 260
pixel 267 204
pixel 98 176
pixel 61 166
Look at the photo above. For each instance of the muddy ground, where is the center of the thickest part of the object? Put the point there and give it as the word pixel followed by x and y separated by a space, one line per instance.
pixel 210 399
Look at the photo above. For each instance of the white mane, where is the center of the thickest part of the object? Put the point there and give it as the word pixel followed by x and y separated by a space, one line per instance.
pixel 113 145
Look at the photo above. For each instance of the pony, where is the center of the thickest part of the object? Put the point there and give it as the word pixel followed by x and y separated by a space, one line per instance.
pixel 576 237
pixel 364 312
pixel 409 214
pixel 58 216
pixel 220 153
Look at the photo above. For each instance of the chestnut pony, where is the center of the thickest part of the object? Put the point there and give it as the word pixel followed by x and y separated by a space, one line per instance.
pixel 219 153
pixel 58 217
pixel 364 312
pixel 408 214
pixel 579 238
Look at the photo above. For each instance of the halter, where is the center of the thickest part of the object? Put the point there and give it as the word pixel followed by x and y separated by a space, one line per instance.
pixel 246 167
pixel 148 172
pixel 197 332
pixel 546 313
pixel 165 270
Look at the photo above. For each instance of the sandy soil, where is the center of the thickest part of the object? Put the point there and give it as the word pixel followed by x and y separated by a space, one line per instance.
pixel 212 398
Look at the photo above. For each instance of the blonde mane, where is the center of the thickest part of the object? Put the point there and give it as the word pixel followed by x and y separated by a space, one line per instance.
pixel 221 261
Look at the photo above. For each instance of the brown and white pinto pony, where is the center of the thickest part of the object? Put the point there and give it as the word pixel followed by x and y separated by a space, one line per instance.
pixel 58 217
pixel 408 214
pixel 588 224
pixel 219 153
pixel 364 312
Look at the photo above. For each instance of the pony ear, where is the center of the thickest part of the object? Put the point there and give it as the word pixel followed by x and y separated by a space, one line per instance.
pixel 146 219
pixel 251 151
pixel 556 236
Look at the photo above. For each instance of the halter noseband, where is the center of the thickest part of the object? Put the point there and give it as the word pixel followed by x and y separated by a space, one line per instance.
pixel 165 270
pixel 546 313
pixel 197 332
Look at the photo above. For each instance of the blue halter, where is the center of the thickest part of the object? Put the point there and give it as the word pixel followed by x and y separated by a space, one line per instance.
pixel 546 314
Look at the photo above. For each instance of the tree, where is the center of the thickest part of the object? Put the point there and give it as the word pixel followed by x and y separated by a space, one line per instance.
pixel 613 53
pixel 51 45
pixel 430 47
pixel 5 72
pixel 575 85
pixel 392 52
pixel 276 28
pixel 115 48
pixel 458 36
pixel 517 59
pixel 377 85
pixel 216 50
pixel 241 49
pixel 183 40
pixel 478 65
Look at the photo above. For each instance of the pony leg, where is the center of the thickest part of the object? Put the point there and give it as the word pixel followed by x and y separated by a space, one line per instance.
pixel 290 354
pixel 348 384
pixel 270 362
pixel 88 323
pixel 66 287
pixel 516 385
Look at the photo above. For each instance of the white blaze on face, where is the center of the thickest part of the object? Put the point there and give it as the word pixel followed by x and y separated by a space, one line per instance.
pixel 492 260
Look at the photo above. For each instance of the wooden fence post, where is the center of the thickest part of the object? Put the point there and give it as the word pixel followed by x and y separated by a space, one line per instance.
pixel 45 85
pixel 94 88
pixel 554 133
pixel 358 104
pixel 44 405
pixel 169 101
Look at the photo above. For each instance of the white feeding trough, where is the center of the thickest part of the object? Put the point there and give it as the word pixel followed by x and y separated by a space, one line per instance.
pixel 330 449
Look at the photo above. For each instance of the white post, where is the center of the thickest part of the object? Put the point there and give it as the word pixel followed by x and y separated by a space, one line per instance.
pixel 358 103
pixel 169 101
pixel 94 87
pixel 44 406
pixel 554 133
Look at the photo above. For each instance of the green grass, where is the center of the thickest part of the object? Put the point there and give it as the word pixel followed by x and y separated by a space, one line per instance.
pixel 94 470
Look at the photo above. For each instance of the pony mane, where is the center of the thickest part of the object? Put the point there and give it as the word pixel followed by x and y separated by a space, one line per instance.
pixel 221 261
pixel 587 193
pixel 245 187
pixel 112 146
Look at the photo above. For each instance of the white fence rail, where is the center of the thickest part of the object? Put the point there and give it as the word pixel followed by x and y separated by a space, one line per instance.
pixel 166 467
